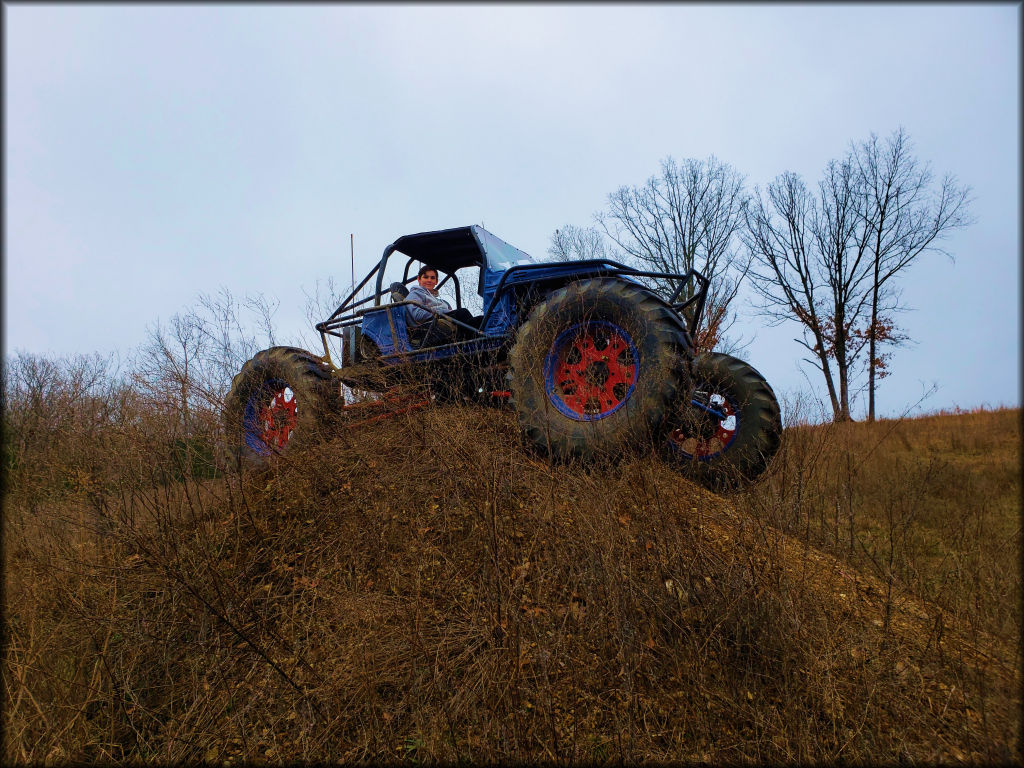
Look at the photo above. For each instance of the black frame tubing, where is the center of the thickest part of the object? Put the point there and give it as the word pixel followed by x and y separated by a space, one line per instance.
pixel 607 267
pixel 615 268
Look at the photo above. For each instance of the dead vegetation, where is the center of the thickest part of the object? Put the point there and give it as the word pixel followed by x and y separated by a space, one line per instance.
pixel 425 590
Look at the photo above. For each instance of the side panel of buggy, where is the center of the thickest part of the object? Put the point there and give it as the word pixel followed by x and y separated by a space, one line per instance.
pixel 388 328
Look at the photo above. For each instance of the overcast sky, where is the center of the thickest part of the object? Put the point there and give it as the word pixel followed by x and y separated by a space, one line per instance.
pixel 156 151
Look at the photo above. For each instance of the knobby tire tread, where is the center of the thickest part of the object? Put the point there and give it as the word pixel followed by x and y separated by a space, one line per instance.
pixel 760 420
pixel 306 374
pixel 663 374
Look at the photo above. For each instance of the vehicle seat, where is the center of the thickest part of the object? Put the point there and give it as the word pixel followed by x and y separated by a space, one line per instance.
pixel 399 291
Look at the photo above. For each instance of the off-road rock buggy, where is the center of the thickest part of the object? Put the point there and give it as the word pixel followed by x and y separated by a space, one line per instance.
pixel 594 360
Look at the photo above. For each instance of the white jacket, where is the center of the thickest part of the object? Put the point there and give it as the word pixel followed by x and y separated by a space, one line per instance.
pixel 418 315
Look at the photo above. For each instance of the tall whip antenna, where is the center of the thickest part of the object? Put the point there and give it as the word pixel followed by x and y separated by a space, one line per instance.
pixel 352 251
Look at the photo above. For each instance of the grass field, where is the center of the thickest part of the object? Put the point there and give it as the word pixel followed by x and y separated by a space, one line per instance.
pixel 429 591
pixel 930 504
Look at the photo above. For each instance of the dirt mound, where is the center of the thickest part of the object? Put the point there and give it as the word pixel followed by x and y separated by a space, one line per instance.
pixel 428 590
pixel 458 598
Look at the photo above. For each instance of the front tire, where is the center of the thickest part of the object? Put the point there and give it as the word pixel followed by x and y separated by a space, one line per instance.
pixel 278 401
pixel 725 434
pixel 595 369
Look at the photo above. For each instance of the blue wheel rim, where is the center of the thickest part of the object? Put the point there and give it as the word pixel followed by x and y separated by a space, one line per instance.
pixel 253 425
pixel 591 370
pixel 725 411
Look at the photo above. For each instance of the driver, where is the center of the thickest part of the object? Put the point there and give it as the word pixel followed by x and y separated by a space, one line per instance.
pixel 425 292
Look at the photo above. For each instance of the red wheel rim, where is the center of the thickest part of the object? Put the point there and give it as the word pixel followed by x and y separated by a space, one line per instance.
pixel 703 446
pixel 277 419
pixel 591 370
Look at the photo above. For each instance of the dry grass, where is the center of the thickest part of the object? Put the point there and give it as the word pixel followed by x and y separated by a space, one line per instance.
pixel 425 590
pixel 930 505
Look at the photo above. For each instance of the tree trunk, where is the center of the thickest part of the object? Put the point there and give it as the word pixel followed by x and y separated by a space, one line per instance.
pixel 844 393
pixel 826 370
pixel 872 328
pixel 842 364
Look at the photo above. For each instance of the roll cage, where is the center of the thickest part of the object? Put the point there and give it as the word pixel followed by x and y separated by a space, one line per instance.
pixel 503 269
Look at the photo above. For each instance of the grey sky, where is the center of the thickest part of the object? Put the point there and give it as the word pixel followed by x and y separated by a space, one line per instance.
pixel 156 151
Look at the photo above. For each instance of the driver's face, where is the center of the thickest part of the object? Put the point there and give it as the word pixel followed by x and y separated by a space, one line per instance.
pixel 428 279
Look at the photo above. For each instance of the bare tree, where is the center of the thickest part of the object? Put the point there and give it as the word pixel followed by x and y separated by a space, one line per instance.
pixel 787 271
pixel 841 248
pixel 828 260
pixel 686 217
pixel 572 243
pixel 902 217
pixel 189 362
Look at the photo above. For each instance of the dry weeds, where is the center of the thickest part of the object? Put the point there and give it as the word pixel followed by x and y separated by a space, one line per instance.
pixel 424 589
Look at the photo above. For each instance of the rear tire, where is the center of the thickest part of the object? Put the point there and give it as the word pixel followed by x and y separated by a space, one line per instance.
pixel 595 369
pixel 278 401
pixel 725 434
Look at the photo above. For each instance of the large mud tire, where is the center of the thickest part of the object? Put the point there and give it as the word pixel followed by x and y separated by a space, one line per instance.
pixel 280 400
pixel 596 368
pixel 725 434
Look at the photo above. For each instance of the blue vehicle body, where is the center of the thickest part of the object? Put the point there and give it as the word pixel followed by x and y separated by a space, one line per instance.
pixel 510 282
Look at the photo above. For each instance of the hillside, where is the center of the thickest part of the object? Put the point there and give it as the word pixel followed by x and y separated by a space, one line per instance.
pixel 427 590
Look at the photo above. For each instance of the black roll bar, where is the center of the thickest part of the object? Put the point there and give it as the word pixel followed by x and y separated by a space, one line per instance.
pixel 604 266
pixel 614 267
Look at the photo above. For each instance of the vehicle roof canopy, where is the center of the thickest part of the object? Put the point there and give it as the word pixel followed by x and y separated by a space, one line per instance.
pixel 445 249
pixel 452 249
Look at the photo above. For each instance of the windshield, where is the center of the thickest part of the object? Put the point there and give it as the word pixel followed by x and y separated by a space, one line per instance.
pixel 501 255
